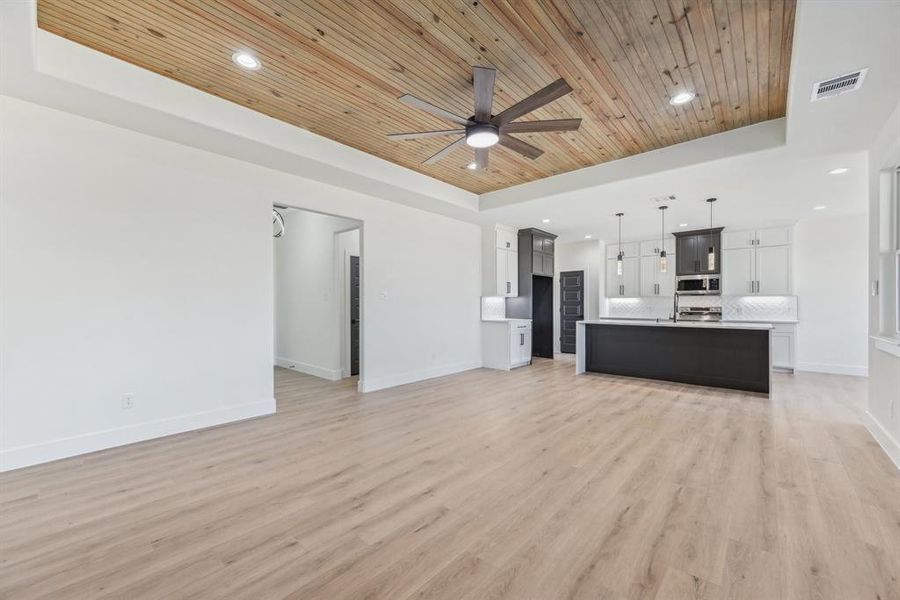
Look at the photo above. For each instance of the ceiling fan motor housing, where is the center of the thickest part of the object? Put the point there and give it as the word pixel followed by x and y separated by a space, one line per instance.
pixel 482 135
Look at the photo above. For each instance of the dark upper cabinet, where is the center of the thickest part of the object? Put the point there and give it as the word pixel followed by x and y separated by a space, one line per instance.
pixel 692 251
pixel 540 260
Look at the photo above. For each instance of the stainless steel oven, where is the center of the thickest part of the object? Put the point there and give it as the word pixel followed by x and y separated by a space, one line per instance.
pixel 698 285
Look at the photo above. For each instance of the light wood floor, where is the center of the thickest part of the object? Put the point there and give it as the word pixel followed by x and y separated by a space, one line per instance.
pixel 483 485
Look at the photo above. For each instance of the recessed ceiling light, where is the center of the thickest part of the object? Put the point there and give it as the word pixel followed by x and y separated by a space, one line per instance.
pixel 245 60
pixel 545 220
pixel 471 166
pixel 838 171
pixel 682 224
pixel 681 98
pixel 588 236
pixel 819 207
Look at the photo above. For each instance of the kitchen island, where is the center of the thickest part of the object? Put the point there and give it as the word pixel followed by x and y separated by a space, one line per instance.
pixel 718 354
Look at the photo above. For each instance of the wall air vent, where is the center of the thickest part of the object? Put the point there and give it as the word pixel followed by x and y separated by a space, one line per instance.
pixel 838 85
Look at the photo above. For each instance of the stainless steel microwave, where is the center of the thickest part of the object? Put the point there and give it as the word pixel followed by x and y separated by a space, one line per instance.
pixel 698 285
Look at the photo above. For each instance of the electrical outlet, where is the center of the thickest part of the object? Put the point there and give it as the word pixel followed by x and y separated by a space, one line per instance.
pixel 127 401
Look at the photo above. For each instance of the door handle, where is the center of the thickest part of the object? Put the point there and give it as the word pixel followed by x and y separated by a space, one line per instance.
pixel 521 339
pixel 508 287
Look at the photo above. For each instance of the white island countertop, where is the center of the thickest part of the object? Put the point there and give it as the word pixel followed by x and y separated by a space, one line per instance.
pixel 696 324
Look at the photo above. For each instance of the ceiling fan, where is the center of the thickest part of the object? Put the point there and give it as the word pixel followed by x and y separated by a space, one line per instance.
pixel 484 129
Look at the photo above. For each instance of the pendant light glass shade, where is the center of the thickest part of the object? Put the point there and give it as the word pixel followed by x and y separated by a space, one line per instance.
pixel 711 252
pixel 663 261
pixel 621 255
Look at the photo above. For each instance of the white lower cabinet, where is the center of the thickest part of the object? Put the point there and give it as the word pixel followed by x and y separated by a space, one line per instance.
pixel 783 344
pixel 506 343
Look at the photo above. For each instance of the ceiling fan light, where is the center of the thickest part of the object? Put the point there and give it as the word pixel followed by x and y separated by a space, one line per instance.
pixel 482 135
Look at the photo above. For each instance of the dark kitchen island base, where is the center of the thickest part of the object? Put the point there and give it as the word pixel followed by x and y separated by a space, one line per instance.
pixel 722 356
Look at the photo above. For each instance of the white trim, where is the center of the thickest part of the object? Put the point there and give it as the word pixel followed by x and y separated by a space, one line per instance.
pixel 887 344
pixel 315 370
pixel 388 381
pixel 24 456
pixel 887 442
pixel 859 371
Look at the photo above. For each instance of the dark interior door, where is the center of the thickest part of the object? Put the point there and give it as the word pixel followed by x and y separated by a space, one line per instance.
pixel 354 315
pixel 542 316
pixel 571 308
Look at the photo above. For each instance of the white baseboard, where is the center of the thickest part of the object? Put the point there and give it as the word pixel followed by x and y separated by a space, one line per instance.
pixel 25 456
pixel 890 446
pixel 315 370
pixel 371 384
pixel 834 369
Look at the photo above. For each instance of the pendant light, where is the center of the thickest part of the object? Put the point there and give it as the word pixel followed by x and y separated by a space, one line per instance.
pixel 663 261
pixel 711 252
pixel 621 255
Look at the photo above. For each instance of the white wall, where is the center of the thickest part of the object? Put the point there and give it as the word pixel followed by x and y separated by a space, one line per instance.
pixel 830 273
pixel 308 301
pixel 128 265
pixel 883 407
pixel 580 256
pixel 136 265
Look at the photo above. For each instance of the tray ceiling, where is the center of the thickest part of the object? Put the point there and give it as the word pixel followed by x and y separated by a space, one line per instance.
pixel 337 67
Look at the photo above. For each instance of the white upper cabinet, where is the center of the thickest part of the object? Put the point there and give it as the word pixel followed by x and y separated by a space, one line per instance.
pixel 738 271
pixel 626 285
pixel 776 236
pixel 652 247
pixel 757 262
pixel 653 282
pixel 738 239
pixel 629 249
pixel 750 238
pixel 773 270
pixel 507 273
pixel 506 262
pixel 507 238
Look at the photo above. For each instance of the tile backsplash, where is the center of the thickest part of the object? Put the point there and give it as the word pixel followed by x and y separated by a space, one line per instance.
pixel 734 308
pixel 493 307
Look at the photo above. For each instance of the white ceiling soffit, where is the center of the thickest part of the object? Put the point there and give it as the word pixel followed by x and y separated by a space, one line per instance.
pixel 40 67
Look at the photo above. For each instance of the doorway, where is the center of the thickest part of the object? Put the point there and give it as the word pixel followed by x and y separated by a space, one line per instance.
pixel 317 273
pixel 354 315
pixel 571 308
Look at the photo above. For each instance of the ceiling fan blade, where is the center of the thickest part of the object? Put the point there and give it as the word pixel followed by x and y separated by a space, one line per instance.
pixel 437 111
pixel 425 134
pixel 436 157
pixel 481 158
pixel 484 92
pixel 523 148
pixel 541 126
pixel 557 89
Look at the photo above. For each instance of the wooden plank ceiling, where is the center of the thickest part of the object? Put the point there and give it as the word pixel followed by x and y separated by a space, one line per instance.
pixel 337 67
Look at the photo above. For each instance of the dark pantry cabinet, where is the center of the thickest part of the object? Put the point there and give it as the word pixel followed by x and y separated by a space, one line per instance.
pixel 535 299
pixel 692 250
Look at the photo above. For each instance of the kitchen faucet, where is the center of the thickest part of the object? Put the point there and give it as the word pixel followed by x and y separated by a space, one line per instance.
pixel 675 307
